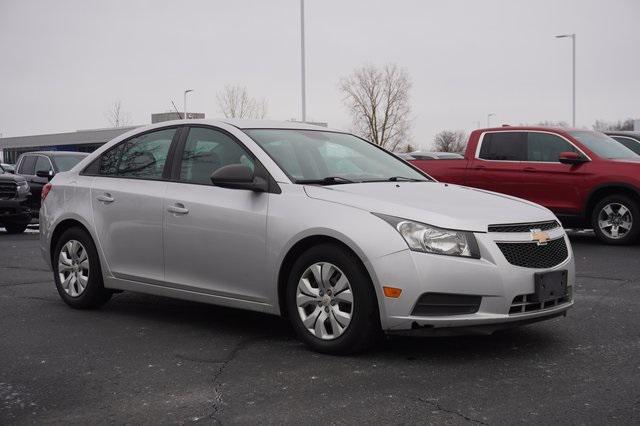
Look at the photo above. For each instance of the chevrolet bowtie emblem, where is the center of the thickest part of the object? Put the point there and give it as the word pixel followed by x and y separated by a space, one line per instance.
pixel 540 237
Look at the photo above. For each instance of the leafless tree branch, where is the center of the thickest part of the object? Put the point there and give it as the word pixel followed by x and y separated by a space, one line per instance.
pixel 450 141
pixel 235 102
pixel 117 117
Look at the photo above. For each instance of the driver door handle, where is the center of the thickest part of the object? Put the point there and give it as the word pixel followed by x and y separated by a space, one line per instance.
pixel 105 198
pixel 178 209
pixel 529 170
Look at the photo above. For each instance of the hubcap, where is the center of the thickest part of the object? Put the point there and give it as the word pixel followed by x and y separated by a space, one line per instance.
pixel 73 268
pixel 324 300
pixel 615 220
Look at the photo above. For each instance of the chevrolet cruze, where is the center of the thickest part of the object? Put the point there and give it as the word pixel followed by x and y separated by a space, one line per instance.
pixel 338 235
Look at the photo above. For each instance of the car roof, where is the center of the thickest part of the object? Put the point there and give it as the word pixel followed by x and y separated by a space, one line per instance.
pixel 241 124
pixel 56 153
pixel 635 134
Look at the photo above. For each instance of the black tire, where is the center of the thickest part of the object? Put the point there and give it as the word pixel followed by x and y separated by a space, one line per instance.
pixel 94 294
pixel 630 204
pixel 15 228
pixel 364 328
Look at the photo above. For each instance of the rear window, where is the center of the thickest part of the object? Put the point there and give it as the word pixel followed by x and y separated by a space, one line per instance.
pixel 630 143
pixel 504 146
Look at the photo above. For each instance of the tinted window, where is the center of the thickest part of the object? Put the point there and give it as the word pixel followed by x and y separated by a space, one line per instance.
pixel 632 144
pixel 28 165
pixel 42 164
pixel 504 146
pixel 312 155
pixel 546 147
pixel 205 151
pixel 66 162
pixel 140 157
pixel 602 144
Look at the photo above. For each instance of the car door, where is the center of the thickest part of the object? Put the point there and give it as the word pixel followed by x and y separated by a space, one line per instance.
pixel 27 169
pixel 549 182
pixel 43 164
pixel 127 197
pixel 497 165
pixel 214 238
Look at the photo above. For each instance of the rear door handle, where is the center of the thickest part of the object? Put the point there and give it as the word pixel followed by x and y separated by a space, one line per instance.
pixel 105 198
pixel 178 209
pixel 529 169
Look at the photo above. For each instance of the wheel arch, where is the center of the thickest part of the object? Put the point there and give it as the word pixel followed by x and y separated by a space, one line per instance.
pixel 60 228
pixel 605 190
pixel 300 247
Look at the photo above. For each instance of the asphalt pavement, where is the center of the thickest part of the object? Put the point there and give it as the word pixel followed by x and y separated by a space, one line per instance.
pixel 151 360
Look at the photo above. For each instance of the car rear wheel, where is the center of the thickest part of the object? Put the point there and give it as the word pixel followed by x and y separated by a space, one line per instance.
pixel 77 272
pixel 615 220
pixel 331 302
pixel 14 228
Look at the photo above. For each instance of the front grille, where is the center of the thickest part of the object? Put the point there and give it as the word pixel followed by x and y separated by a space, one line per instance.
pixel 524 227
pixel 524 303
pixel 440 304
pixel 531 255
pixel 8 190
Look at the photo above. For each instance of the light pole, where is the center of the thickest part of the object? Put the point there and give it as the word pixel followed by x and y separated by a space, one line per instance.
pixel 184 117
pixel 302 63
pixel 491 114
pixel 573 43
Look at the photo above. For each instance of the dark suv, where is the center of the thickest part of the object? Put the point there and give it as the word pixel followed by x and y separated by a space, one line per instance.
pixel 39 167
pixel 14 202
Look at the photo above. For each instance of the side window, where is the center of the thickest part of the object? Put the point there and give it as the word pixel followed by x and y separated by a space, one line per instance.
pixel 205 151
pixel 504 146
pixel 632 144
pixel 140 157
pixel 28 165
pixel 546 147
pixel 42 164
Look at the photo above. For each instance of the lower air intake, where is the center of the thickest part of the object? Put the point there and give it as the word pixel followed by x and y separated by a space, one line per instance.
pixel 442 304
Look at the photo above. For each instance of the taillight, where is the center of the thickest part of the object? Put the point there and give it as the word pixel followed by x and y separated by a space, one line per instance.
pixel 45 190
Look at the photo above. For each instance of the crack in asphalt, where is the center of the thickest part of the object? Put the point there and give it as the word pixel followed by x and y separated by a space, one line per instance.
pixel 25 269
pixel 596 277
pixel 27 283
pixel 434 402
pixel 217 403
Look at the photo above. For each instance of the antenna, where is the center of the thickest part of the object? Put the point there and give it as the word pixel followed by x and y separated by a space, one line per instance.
pixel 177 112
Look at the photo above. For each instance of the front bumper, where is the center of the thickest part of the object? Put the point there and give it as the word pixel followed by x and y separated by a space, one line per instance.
pixel 492 277
pixel 15 211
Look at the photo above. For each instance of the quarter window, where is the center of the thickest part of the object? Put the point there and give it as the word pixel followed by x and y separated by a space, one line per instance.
pixel 546 147
pixel 504 146
pixel 205 151
pixel 140 157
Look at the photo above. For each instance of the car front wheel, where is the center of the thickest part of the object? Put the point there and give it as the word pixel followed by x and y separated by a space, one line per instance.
pixel 331 302
pixel 616 219
pixel 77 271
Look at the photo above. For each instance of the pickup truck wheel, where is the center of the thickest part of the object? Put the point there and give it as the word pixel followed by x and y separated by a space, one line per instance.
pixel 15 228
pixel 616 220
pixel 331 302
pixel 77 272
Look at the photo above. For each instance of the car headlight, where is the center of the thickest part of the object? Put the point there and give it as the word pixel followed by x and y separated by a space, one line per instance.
pixel 431 239
pixel 23 186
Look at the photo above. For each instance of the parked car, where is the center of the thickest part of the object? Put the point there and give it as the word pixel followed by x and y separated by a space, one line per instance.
pixel 317 225
pixel 586 178
pixel 425 155
pixel 14 202
pixel 40 167
pixel 627 138
pixel 8 168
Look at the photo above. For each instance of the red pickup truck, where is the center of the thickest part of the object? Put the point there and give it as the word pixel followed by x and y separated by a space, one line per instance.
pixel 586 178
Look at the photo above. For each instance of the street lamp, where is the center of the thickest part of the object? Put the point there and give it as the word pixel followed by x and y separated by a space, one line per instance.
pixel 302 64
pixel 491 114
pixel 184 117
pixel 573 42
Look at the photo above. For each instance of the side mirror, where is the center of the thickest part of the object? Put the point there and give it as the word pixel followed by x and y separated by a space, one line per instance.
pixel 45 174
pixel 570 157
pixel 239 176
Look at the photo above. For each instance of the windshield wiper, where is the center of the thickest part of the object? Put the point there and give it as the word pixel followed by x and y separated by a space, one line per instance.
pixel 329 180
pixel 407 179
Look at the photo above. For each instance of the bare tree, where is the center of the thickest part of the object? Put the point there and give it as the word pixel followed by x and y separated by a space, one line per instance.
pixel 619 125
pixel 450 141
pixel 235 102
pixel 551 123
pixel 378 100
pixel 116 117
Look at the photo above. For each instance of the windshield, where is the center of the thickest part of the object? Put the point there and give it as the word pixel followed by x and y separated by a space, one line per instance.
pixel 602 145
pixel 66 162
pixel 311 156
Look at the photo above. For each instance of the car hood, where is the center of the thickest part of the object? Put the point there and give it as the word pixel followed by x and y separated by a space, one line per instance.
pixel 8 177
pixel 438 204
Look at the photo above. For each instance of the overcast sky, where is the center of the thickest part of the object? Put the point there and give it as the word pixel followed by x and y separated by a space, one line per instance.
pixel 63 63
